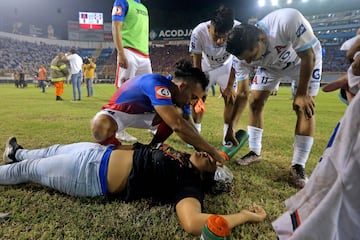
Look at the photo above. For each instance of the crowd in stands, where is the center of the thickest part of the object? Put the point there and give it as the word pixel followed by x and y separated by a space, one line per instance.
pixel 16 54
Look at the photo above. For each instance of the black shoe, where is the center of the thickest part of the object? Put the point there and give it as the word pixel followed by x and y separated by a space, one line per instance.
pixel 58 98
pixel 10 149
pixel 298 176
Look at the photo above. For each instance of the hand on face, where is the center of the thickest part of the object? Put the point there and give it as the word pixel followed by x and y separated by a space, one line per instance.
pixel 203 162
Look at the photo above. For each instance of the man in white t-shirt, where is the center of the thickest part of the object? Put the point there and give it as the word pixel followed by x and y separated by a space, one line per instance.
pixel 281 45
pixel 76 63
pixel 210 55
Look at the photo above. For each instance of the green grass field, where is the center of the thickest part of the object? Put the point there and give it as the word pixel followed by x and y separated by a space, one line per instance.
pixel 36 212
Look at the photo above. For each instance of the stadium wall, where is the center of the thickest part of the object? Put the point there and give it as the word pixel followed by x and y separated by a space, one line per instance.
pixel 65 43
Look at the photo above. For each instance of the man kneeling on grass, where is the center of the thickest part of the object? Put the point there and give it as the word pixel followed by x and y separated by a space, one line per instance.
pixel 129 172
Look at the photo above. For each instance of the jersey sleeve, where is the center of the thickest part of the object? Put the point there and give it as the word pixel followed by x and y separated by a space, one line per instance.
pixel 300 32
pixel 157 90
pixel 241 68
pixel 119 10
pixel 195 45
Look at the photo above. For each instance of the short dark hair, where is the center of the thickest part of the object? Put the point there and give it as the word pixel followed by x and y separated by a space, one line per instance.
pixel 223 19
pixel 72 51
pixel 242 37
pixel 184 70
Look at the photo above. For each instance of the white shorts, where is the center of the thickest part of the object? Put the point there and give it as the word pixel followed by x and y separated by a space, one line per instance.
pixel 267 78
pixel 137 65
pixel 220 76
pixel 126 120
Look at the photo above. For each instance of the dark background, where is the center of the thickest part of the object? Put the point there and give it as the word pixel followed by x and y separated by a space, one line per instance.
pixel 163 13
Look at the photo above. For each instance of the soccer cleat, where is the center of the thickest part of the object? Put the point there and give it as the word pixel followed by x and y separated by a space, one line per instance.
pixel 249 159
pixel 10 150
pixel 298 176
pixel 125 137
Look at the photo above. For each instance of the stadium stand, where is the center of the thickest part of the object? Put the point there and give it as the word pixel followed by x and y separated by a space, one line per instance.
pixel 27 52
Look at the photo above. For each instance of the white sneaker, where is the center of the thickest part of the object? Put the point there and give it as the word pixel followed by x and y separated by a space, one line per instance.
pixel 125 137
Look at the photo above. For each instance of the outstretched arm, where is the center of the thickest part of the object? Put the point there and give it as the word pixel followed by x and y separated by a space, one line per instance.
pixel 193 220
pixel 186 131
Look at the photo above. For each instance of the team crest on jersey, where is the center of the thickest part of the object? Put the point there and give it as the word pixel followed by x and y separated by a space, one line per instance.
pixel 162 92
pixel 116 11
pixel 301 29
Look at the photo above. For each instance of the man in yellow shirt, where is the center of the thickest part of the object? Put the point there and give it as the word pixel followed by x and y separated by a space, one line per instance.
pixel 89 74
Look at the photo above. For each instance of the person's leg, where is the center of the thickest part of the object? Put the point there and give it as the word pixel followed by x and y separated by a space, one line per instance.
pixel 263 82
pixel 197 116
pixel 257 102
pixel 305 128
pixel 72 169
pixel 87 86
pixel 123 74
pixel 233 112
pixel 74 84
pixel 42 85
pixel 61 89
pixel 78 85
pixel 58 90
pixel 91 87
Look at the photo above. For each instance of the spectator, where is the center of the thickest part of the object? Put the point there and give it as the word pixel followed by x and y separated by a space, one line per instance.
pixel 89 75
pixel 76 65
pixel 41 77
pixel 16 77
pixel 22 82
pixel 59 73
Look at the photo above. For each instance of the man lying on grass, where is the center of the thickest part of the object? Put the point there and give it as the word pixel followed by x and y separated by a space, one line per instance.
pixel 129 172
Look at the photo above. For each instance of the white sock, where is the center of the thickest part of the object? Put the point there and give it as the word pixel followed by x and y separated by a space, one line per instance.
pixel 198 127
pixel 302 148
pixel 255 137
pixel 226 127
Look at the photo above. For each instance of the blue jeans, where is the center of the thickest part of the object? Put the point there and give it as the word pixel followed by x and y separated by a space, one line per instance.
pixel 76 84
pixel 89 86
pixel 72 168
pixel 42 85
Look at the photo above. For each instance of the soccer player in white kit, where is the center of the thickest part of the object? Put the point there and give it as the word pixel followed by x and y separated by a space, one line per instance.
pixel 281 45
pixel 210 55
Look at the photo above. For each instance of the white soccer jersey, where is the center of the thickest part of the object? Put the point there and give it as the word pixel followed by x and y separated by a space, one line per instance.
pixel 328 207
pixel 287 32
pixel 213 56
